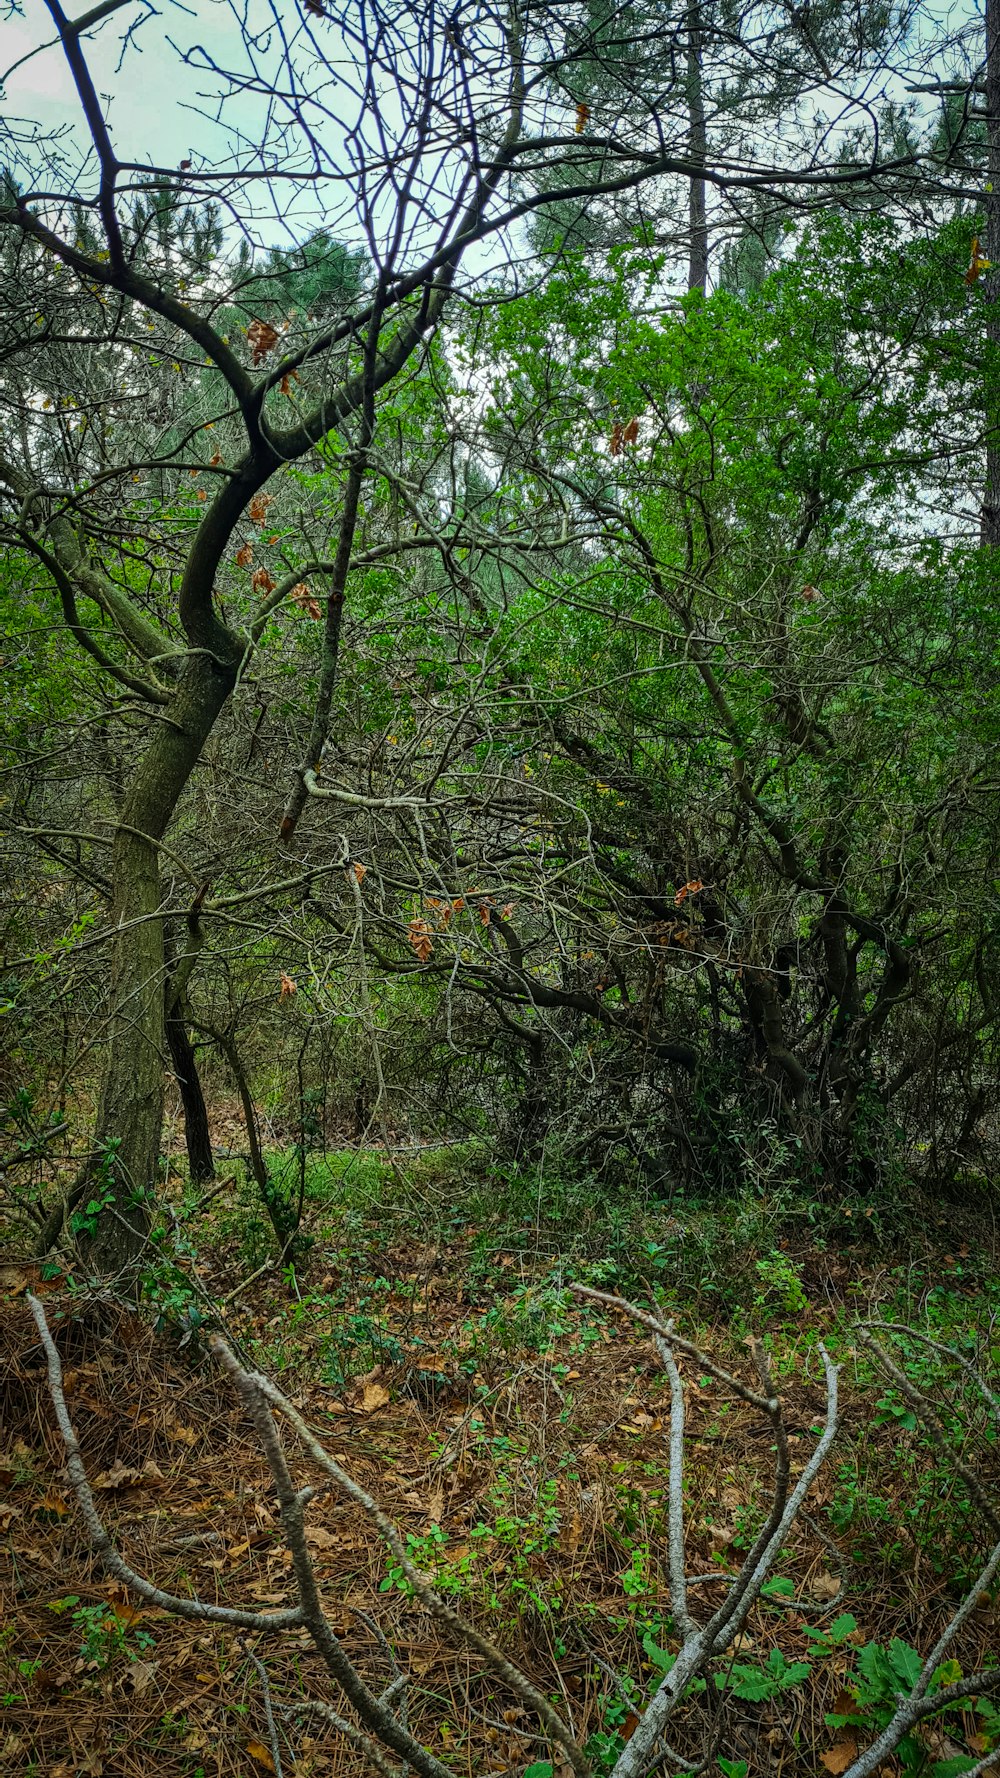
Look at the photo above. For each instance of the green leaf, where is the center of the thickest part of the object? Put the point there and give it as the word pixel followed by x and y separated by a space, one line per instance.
pixel 660 1657
pixel 905 1661
pixel 778 1588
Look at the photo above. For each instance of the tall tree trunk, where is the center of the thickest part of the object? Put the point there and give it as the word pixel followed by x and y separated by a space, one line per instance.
pixel 990 518
pixel 130 1118
pixel 698 150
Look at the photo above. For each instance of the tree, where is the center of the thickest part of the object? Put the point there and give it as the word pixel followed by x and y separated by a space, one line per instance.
pixel 147 437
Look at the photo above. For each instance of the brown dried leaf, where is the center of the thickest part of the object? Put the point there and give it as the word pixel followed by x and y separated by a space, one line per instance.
pixel 571 1533
pixel 823 1586
pixel 376 1395
pixel 419 935
pixel 303 598
pixel 140 1674
pixel 119 1476
pixel 55 1504
pixel 262 338
pixel 842 1754
pixel 186 1435
pixel 320 1539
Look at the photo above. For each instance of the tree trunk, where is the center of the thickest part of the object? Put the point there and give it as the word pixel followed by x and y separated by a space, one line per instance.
pixel 131 1110
pixel 698 149
pixel 201 1165
pixel 990 517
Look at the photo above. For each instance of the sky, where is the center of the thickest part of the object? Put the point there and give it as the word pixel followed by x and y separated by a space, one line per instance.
pixel 148 110
pixel 159 110
pixel 164 112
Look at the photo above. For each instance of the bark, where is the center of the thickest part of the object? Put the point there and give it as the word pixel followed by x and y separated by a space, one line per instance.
pixel 131 1110
pixel 201 1165
pixel 990 517
pixel 698 149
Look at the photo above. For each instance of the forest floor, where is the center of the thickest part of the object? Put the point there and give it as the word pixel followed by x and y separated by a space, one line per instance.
pixel 519 1438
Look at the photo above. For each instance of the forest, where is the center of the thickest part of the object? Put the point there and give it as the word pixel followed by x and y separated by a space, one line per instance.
pixel 500 889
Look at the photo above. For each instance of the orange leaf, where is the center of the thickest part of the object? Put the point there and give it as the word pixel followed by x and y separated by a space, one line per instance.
pixel 258 508
pixel 582 118
pixel 216 460
pixel 615 442
pixel 261 1754
pixel 360 871
pixel 631 433
pixel 977 262
pixel 376 1395
pixel 419 936
pixel 263 581
pixel 263 338
pixel 286 382
pixel 55 1504
pixel 288 987
pixel 691 888
pixel 305 601
pixel 244 555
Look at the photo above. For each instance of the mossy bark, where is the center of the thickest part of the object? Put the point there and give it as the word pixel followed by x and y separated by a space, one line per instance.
pixel 130 1118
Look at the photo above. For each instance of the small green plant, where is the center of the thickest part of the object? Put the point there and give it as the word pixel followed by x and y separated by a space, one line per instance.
pixel 780 1284
pixel 757 1684
pixel 103 1634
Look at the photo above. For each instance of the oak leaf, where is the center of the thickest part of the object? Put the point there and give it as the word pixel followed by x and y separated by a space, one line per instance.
pixel 318 1538
pixel 262 338
pixel 304 600
pixel 842 1754
pixel 823 1586
pixel 419 935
